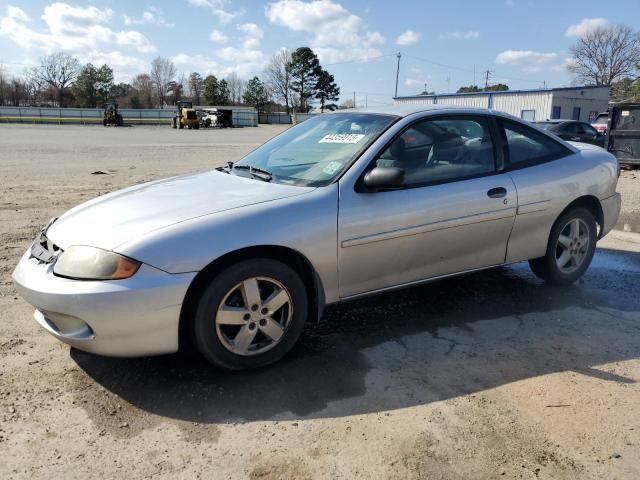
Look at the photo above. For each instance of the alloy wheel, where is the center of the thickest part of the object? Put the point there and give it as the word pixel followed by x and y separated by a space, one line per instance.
pixel 572 246
pixel 253 316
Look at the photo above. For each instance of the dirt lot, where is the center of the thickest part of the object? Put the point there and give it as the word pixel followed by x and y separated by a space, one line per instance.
pixel 490 375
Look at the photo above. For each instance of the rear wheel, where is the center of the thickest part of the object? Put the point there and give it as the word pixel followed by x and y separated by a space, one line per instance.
pixel 572 244
pixel 250 315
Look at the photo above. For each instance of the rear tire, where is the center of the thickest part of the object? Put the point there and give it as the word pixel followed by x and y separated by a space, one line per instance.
pixel 250 314
pixel 571 246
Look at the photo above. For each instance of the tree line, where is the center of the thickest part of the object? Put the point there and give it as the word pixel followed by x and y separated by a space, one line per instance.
pixel 292 81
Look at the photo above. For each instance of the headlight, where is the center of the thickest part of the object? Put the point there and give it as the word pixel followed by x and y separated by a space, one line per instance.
pixel 89 263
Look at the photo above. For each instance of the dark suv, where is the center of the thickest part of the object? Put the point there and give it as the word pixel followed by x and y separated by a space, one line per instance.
pixel 573 131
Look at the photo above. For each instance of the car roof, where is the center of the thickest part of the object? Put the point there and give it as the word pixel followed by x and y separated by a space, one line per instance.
pixel 406 110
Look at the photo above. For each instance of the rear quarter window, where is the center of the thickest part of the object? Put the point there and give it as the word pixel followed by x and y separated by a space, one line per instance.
pixel 526 146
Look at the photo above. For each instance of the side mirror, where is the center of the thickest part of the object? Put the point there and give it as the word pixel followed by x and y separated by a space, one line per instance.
pixel 384 177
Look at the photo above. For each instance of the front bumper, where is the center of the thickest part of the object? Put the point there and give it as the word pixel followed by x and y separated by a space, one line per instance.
pixel 122 318
pixel 610 211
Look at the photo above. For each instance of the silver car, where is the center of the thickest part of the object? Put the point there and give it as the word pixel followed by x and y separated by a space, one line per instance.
pixel 234 261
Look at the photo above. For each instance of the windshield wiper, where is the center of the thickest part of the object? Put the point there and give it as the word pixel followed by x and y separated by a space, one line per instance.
pixel 255 172
pixel 227 167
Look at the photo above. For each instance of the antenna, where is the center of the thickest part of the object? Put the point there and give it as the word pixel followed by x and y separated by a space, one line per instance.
pixel 398 72
pixel 486 78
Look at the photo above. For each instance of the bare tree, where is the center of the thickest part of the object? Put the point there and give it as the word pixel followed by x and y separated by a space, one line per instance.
pixel 606 55
pixel 236 88
pixel 176 89
pixel 195 87
pixel 32 86
pixel 278 77
pixel 4 85
pixel 57 72
pixel 162 73
pixel 144 87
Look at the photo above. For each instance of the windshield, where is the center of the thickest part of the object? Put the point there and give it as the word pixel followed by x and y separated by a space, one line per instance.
pixel 316 151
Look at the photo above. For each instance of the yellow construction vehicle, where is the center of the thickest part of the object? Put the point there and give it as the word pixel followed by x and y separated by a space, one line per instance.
pixel 111 115
pixel 185 116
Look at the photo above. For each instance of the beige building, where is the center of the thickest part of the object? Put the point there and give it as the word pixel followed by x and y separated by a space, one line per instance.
pixel 571 103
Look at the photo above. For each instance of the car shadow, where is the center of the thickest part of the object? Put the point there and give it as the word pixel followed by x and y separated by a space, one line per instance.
pixel 423 344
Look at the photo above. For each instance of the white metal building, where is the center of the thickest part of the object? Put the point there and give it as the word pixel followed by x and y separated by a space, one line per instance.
pixel 574 103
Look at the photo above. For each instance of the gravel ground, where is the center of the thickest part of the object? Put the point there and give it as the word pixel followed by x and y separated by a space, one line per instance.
pixel 489 375
pixel 629 187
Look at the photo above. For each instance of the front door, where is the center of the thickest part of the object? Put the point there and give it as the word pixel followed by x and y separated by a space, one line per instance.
pixel 453 214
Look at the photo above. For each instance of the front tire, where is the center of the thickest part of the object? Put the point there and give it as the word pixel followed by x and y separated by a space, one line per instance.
pixel 250 315
pixel 570 250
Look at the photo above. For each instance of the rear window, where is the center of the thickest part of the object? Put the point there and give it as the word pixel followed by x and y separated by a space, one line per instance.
pixel 601 119
pixel 545 125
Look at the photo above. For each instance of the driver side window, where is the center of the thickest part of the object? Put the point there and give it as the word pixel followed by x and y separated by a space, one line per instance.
pixel 442 150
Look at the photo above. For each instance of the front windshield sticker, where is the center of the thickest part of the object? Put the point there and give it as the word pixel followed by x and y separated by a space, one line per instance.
pixel 342 138
pixel 332 168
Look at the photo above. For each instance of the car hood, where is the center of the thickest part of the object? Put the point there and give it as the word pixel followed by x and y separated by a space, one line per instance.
pixel 124 215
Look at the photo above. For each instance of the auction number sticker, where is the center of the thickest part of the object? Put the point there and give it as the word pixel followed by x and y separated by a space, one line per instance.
pixel 342 138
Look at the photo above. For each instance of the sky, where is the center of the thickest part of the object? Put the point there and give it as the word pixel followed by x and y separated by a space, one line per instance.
pixel 523 43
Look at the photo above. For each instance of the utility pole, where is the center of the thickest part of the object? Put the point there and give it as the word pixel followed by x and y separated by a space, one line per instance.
pixel 425 89
pixel 448 84
pixel 398 72
pixel 354 99
pixel 474 74
pixel 487 74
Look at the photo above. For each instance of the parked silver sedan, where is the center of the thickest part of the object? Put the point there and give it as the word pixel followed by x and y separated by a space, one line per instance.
pixel 234 261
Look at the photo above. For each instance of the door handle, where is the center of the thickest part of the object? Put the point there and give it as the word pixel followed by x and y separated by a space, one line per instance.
pixel 497 192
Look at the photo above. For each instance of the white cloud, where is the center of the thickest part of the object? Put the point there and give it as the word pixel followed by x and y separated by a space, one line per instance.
pixel 195 63
pixel 338 35
pixel 252 30
pixel 76 30
pixel 408 37
pixel 468 35
pixel 151 16
pixel 247 59
pixel 218 37
pixel 17 13
pixel 529 60
pixel 80 31
pixel 509 3
pixel 125 66
pixel 412 82
pixel 218 8
pixel 585 26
